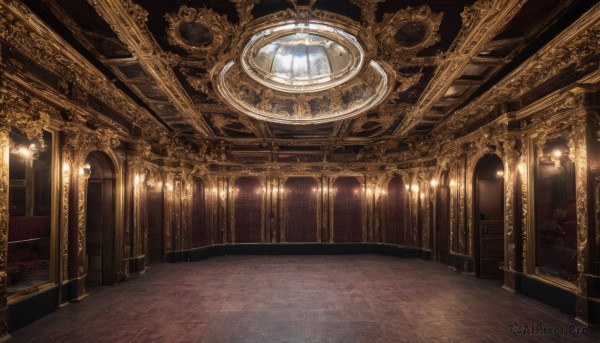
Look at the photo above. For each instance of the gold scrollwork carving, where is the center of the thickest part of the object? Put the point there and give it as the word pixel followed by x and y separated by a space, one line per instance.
pixel 400 35
pixel 214 30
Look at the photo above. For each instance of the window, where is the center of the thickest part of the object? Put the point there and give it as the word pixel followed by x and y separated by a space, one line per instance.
pixel 30 194
pixel 555 211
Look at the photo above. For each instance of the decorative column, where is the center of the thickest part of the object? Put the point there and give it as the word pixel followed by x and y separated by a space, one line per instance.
pixel 222 209
pixel 326 192
pixel 75 218
pixel 369 207
pixel 134 230
pixel 168 212
pixel 187 191
pixel 582 136
pixel 426 243
pixel 4 182
pixel 511 159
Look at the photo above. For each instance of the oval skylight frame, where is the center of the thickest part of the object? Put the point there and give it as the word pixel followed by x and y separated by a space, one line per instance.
pixel 281 38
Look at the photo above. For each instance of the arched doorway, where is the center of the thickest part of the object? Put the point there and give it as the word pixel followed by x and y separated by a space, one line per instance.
pixel 100 225
pixel 442 227
pixel 489 217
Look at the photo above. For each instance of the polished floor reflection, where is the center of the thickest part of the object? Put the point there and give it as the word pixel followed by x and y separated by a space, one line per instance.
pixel 352 298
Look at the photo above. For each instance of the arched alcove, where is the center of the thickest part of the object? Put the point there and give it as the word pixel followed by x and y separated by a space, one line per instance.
pixel 100 223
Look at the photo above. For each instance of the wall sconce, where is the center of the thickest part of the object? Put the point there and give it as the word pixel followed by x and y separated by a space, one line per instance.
pixel 422 195
pixel 433 183
pixel 555 157
pixel 85 170
pixel 414 188
pixel 452 183
pixel 24 152
pixel 407 187
pixel 169 186
pixel 66 168
pixel 521 167
pixel 500 173
pixel 136 179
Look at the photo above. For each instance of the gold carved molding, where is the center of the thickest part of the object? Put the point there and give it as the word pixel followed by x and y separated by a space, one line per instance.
pixel 481 22
pixel 395 52
pixel 219 31
pixel 571 48
pixel 128 21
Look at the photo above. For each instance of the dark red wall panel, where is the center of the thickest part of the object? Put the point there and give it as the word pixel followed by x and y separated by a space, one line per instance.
pixel 200 232
pixel 347 210
pixel 395 211
pixel 301 210
pixel 247 197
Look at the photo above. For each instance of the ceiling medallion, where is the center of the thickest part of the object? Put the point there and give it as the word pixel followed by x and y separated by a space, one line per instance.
pixel 302 72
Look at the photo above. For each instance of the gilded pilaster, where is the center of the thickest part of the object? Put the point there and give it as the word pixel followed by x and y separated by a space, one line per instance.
pixel 524 169
pixel 511 159
pixel 426 201
pixel 177 213
pixel 168 211
pixel 580 137
pixel 67 158
pixel 4 181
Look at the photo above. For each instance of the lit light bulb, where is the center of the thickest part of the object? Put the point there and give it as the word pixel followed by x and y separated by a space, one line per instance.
pixel 556 153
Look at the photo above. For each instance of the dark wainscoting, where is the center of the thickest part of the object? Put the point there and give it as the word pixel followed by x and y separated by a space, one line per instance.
pixel 33 308
pixel 297 249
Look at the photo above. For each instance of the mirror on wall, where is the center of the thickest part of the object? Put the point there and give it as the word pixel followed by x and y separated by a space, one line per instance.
pixel 29 225
pixel 555 211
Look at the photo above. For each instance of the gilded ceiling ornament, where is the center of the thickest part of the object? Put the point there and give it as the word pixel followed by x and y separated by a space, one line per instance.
pixel 368 11
pixel 244 10
pixel 400 35
pixel 406 82
pixel 358 95
pixel 481 22
pixel 225 122
pixel 375 124
pixel 200 31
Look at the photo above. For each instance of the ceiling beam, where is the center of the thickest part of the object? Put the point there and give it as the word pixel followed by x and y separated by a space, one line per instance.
pixel 482 21
pixel 128 21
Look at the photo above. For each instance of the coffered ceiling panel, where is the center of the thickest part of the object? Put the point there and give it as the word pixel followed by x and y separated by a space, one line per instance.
pixel 184 62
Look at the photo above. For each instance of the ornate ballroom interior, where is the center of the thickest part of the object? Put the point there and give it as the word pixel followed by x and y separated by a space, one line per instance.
pixel 142 135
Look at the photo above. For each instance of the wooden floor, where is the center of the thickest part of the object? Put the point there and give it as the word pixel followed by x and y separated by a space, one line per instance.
pixel 351 298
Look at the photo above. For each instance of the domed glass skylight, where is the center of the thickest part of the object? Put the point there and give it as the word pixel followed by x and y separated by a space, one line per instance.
pixel 302 57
